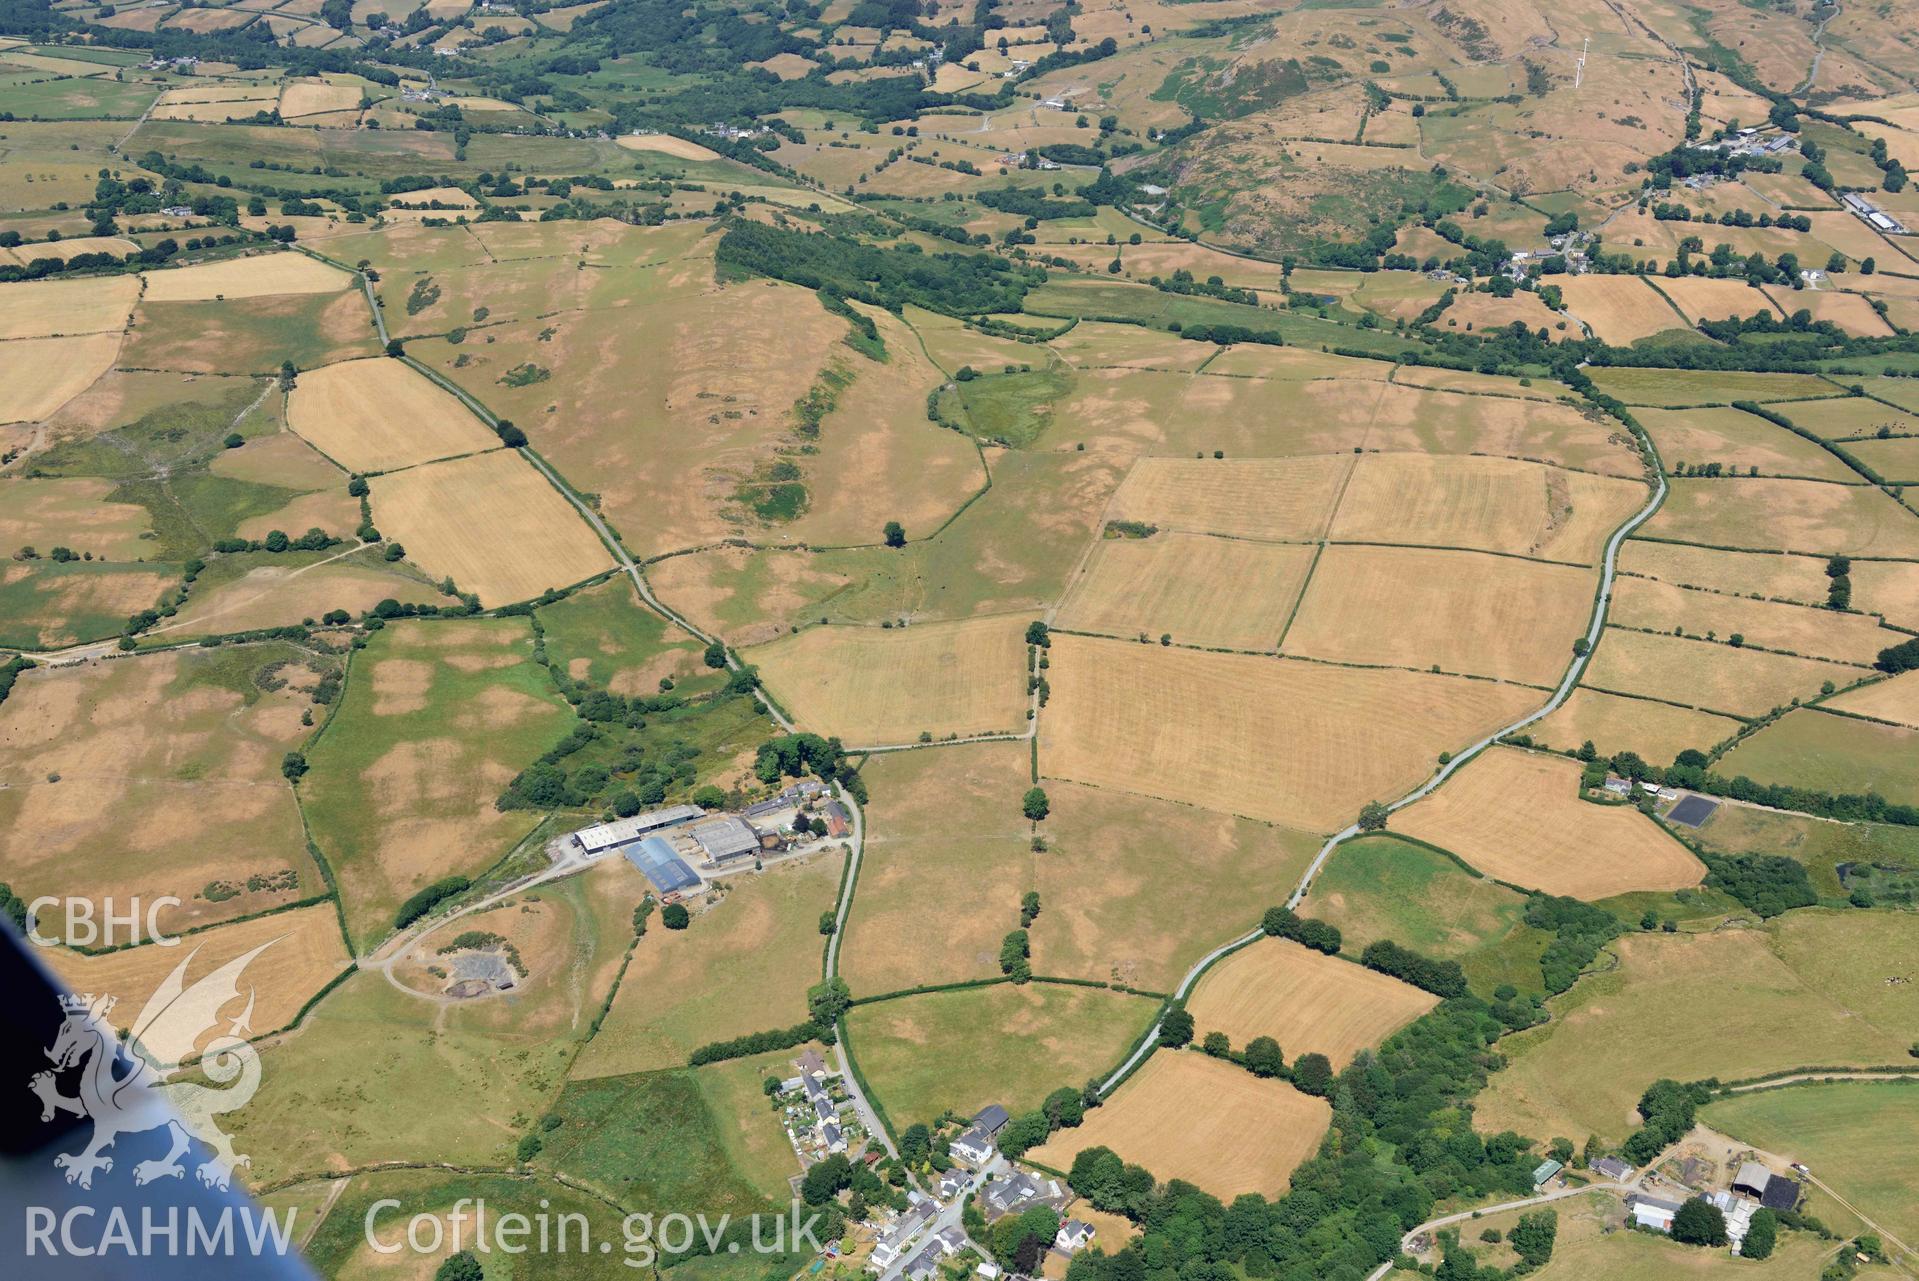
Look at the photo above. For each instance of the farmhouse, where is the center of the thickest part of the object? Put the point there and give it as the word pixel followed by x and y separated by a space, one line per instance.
pixel 1654 1212
pixel 1612 1168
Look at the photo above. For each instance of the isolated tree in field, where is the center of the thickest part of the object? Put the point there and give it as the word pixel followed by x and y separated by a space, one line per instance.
pixel 460 1267
pixel 1372 817
pixel 1035 805
pixel 674 916
pixel 1176 1029
pixel 1263 1057
pixel 1699 1222
pixel 895 534
pixel 1313 1074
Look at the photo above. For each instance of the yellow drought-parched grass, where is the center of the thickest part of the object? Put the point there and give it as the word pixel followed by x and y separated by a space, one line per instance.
pixel 71 511
pixel 1796 629
pixel 491 523
pixel 252 277
pixel 1276 498
pixel 1300 743
pixel 381 415
pixel 38 375
pixel 72 247
pixel 1202 590
pixel 1800 578
pixel 1851 312
pixel 1517 817
pixel 1740 441
pixel 1768 514
pixel 1714 677
pixel 304 952
pixel 1187 1116
pixel 1478 615
pixel 872 685
pixel 1894 700
pixel 1613 724
pixel 1620 309
pixel 1308 1002
pixel 1488 504
pixel 667 144
pixel 1705 298
pixel 42 308
pixel 314 97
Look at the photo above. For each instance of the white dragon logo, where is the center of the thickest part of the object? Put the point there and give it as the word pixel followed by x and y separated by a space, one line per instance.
pixel 161 1040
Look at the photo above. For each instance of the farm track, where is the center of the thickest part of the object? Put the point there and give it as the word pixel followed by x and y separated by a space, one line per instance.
pixel 1560 694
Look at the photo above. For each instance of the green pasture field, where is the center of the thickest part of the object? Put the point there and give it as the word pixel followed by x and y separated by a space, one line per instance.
pixel 339 1247
pixel 649 1141
pixel 1149 306
pixel 1013 407
pixel 1380 887
pixel 47 604
pixel 250 335
pixel 605 635
pixel 746 1121
pixel 1808 989
pixel 395 1084
pixel 77 98
pixel 426 755
pixel 921 1054
pixel 1820 846
pixel 1833 753
pixel 1855 1136
pixel 1677 387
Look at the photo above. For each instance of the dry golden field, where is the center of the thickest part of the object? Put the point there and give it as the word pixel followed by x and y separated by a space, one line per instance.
pixel 72 511
pixel 1705 298
pixel 1896 699
pixel 153 754
pixel 1271 498
pixel 381 415
pixel 1613 723
pixel 943 827
pixel 251 277
pixel 491 523
pixel 43 308
pixel 1516 816
pixel 38 375
pixel 304 952
pixel 271 596
pixel 1803 516
pixel 1851 312
pixel 1485 504
pixel 871 685
pixel 1620 309
pixel 1795 629
pixel 1308 1002
pixel 1740 441
pixel 1202 590
pixel 1478 615
pixel 1712 677
pixel 72 247
pixel 317 97
pixel 1186 1116
pixel 1293 742
pixel 1890 588
pixel 1773 576
pixel 668 145
pixel 1474 311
